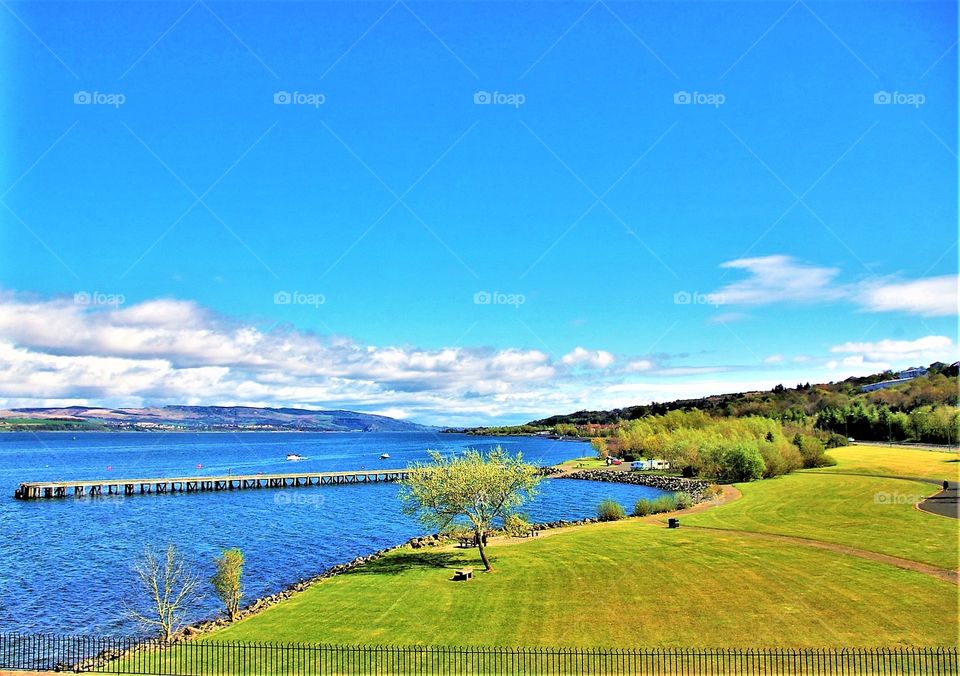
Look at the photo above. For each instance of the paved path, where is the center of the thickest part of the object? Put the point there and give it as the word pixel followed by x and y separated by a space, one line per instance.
pixel 944 503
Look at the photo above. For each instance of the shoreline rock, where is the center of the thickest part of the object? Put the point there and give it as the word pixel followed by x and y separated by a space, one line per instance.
pixel 673 484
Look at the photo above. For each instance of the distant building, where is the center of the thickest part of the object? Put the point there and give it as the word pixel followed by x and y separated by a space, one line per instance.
pixel 912 372
pixel 903 377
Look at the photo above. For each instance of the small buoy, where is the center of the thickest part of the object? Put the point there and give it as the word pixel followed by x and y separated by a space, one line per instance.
pixel 109 467
pixel 199 465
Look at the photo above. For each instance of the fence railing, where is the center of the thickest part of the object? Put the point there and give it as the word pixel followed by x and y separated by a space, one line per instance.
pixel 209 658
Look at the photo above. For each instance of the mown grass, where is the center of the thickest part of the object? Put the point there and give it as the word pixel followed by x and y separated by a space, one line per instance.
pixel 588 462
pixel 899 461
pixel 619 584
pixel 872 513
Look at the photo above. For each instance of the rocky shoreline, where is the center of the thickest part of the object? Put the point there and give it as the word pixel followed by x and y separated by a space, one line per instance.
pixel 697 488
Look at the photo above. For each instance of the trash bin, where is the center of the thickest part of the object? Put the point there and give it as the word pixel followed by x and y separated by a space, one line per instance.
pixel 946 485
pixel 673 523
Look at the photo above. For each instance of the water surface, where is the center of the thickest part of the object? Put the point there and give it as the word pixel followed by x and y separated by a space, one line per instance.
pixel 65 565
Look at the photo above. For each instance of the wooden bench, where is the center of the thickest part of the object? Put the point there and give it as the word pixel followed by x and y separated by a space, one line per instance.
pixel 463 574
pixel 466 543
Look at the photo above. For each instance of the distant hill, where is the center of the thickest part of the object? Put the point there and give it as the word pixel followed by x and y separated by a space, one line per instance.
pixel 202 418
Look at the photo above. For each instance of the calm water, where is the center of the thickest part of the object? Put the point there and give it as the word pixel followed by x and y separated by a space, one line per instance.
pixel 65 565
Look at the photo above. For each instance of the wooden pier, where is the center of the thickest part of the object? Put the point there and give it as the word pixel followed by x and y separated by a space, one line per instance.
pixel 37 490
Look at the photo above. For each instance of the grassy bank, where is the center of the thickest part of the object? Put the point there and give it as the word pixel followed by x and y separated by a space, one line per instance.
pixel 633 583
pixel 871 513
pixel 902 461
pixel 624 583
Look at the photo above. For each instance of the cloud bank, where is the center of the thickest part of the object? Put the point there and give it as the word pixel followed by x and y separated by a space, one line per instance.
pixel 782 279
pixel 57 352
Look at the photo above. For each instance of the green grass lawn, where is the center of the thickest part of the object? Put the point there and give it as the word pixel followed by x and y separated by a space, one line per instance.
pixel 588 462
pixel 620 584
pixel 635 584
pixel 857 511
pixel 898 461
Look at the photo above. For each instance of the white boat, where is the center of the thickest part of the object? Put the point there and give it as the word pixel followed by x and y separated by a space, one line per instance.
pixel 384 456
pixel 293 457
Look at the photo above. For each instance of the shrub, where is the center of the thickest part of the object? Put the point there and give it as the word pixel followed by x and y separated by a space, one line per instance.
pixel 811 449
pixel 836 441
pixel 683 500
pixel 740 462
pixel 665 503
pixel 642 507
pixel 610 510
pixel 515 524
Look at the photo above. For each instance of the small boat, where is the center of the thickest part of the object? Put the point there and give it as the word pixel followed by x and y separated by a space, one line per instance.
pixel 384 456
pixel 293 457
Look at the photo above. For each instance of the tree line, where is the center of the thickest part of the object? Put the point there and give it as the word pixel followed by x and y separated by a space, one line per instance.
pixel 923 409
pixel 724 449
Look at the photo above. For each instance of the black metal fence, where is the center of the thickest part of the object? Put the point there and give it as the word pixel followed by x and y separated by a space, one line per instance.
pixel 203 658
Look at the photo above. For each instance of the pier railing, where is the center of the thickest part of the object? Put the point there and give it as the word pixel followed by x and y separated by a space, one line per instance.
pixel 203 658
pixel 37 490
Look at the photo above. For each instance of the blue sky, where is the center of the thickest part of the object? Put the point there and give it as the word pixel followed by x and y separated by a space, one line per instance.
pixel 585 167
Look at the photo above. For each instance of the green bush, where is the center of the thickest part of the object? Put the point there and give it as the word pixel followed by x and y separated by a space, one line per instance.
pixel 641 507
pixel 515 524
pixel 683 500
pixel 836 441
pixel 812 451
pixel 610 510
pixel 665 503
pixel 740 462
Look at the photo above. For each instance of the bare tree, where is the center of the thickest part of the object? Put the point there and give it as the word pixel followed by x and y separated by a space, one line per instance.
pixel 170 585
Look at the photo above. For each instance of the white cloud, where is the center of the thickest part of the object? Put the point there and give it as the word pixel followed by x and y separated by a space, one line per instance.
pixel 931 297
pixel 639 366
pixel 55 352
pixel 598 359
pixel 726 318
pixel 775 279
pixel 780 278
pixel 773 359
pixel 920 351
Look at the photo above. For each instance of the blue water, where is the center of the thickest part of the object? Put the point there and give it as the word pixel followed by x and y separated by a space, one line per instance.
pixel 65 565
